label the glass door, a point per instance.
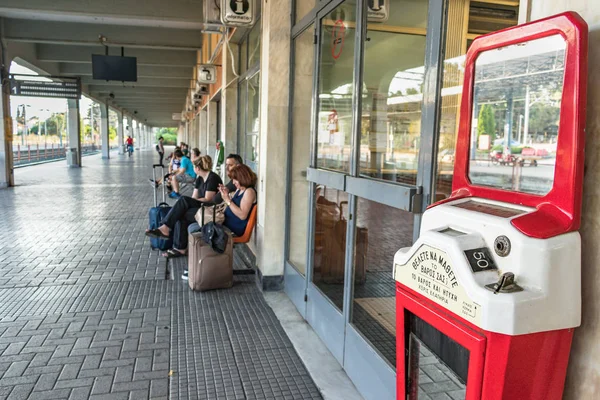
(332, 156)
(303, 49)
(384, 101)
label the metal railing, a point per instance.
(33, 154)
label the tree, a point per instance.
(486, 122)
(169, 135)
(541, 116)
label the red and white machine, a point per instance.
(492, 286)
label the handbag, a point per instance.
(217, 216)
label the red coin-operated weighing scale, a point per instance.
(489, 295)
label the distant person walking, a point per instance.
(161, 150)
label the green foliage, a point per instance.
(541, 116)
(169, 135)
(513, 149)
(486, 122)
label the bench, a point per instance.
(245, 238)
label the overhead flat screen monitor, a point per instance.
(114, 68)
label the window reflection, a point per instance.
(516, 111)
(380, 231)
(331, 221)
(300, 155)
(392, 93)
(336, 67)
(466, 21)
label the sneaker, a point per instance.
(185, 275)
(174, 195)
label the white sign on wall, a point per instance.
(238, 12)
(207, 74)
(378, 10)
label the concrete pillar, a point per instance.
(120, 131)
(73, 133)
(187, 132)
(104, 138)
(274, 97)
(212, 129)
(202, 123)
(6, 125)
(129, 126)
(229, 106)
(136, 142)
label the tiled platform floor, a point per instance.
(86, 312)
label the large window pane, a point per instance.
(252, 123)
(331, 220)
(244, 56)
(392, 92)
(466, 20)
(336, 69)
(254, 45)
(518, 89)
(301, 111)
(242, 104)
(380, 231)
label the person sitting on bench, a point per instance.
(185, 174)
(240, 202)
(231, 161)
(183, 212)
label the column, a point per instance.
(137, 134)
(229, 106)
(120, 131)
(274, 97)
(73, 129)
(6, 150)
(104, 138)
(129, 126)
(203, 119)
(212, 130)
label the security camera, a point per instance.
(111, 95)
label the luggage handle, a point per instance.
(214, 206)
(164, 200)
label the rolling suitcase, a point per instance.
(208, 269)
(157, 213)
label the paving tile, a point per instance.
(86, 311)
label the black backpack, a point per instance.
(215, 235)
(157, 148)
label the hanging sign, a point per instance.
(430, 272)
(337, 39)
(238, 12)
(207, 74)
(46, 86)
(378, 10)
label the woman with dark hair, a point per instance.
(241, 202)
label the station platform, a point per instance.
(89, 311)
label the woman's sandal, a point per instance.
(156, 234)
(172, 253)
